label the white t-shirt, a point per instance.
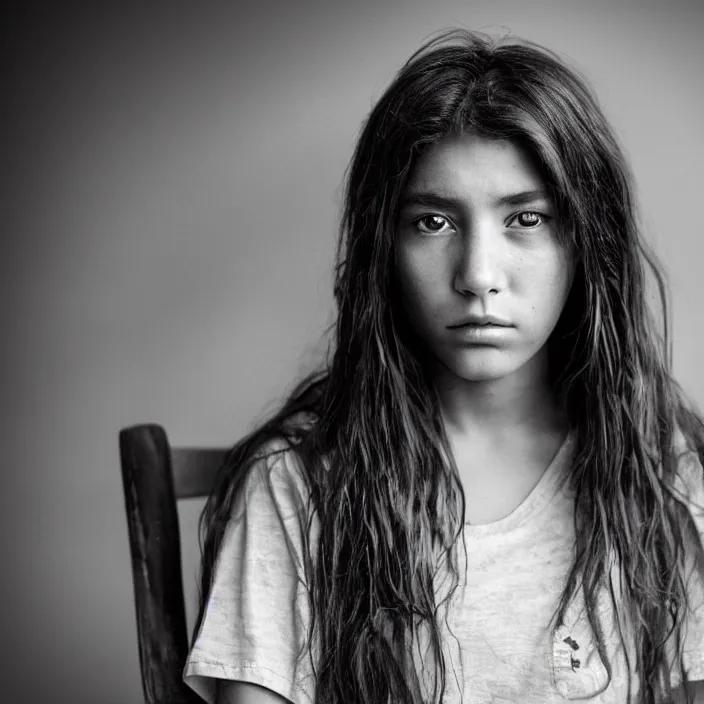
(257, 614)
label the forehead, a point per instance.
(470, 163)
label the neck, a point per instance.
(522, 401)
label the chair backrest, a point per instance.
(154, 477)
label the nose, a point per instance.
(479, 270)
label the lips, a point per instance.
(489, 334)
(483, 321)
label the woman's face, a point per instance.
(477, 236)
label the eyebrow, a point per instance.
(429, 198)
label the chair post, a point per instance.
(152, 521)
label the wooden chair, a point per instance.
(154, 477)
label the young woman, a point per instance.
(493, 492)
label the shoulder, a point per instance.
(276, 476)
(688, 482)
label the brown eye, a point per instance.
(529, 218)
(431, 223)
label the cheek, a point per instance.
(550, 289)
(546, 278)
(564, 278)
(417, 278)
(412, 297)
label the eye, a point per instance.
(433, 224)
(529, 219)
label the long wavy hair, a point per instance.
(383, 486)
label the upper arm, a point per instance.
(255, 622)
(230, 692)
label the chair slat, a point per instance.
(155, 550)
(194, 470)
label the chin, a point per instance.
(477, 369)
(482, 375)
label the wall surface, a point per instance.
(169, 215)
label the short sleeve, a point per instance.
(690, 486)
(256, 617)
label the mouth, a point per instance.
(481, 333)
(479, 325)
(474, 324)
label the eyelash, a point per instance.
(543, 219)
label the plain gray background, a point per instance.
(170, 206)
